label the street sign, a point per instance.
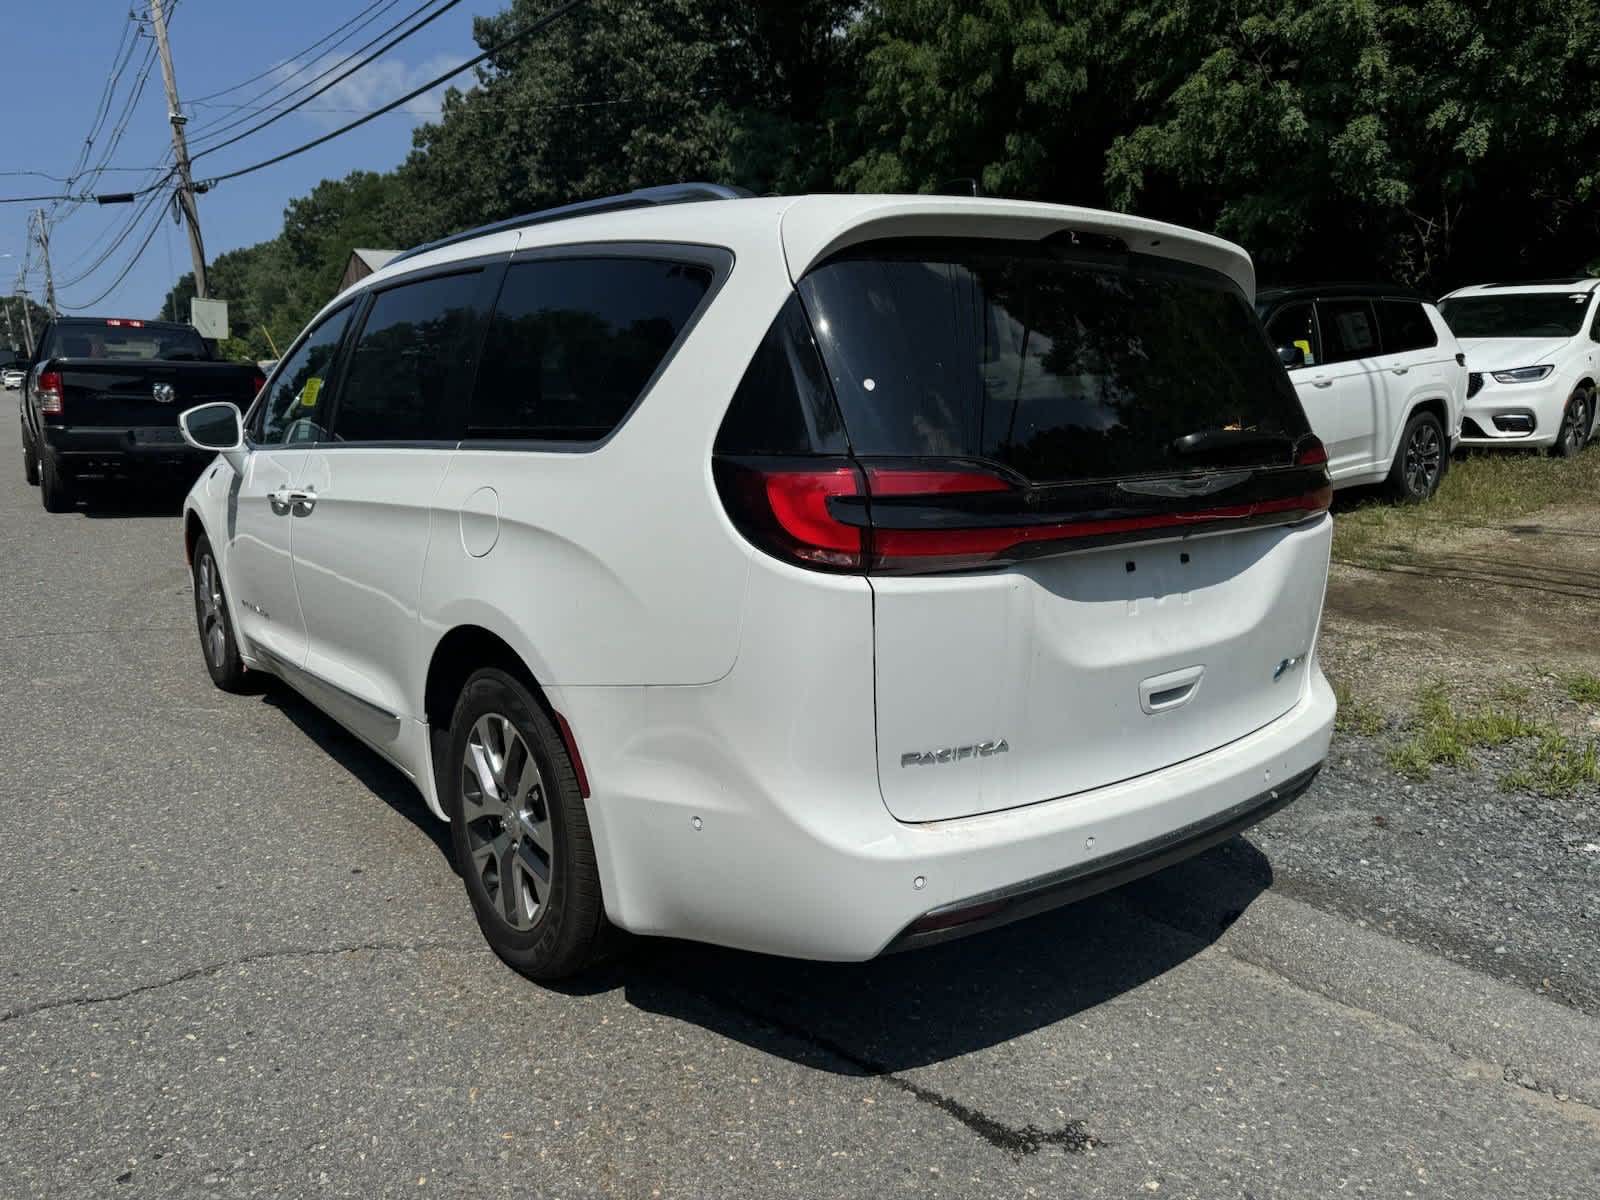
(210, 318)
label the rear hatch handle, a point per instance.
(1163, 693)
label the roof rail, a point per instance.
(670, 193)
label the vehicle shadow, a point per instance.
(370, 770)
(904, 1010)
(928, 1006)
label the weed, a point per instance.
(1356, 716)
(1583, 687)
(1559, 767)
(1440, 735)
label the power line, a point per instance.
(378, 53)
(538, 25)
(154, 198)
(131, 263)
(378, 4)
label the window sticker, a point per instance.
(309, 393)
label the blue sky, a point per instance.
(61, 53)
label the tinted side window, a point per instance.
(1296, 325)
(297, 400)
(1405, 326)
(1348, 330)
(1594, 326)
(783, 404)
(409, 368)
(574, 341)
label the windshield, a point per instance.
(1516, 314)
(126, 342)
(1063, 364)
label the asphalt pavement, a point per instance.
(235, 961)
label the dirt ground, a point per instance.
(1482, 606)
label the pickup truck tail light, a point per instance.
(257, 382)
(48, 392)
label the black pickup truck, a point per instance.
(102, 398)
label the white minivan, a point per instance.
(1381, 378)
(820, 576)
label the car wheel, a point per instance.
(217, 644)
(30, 461)
(1574, 426)
(55, 490)
(1419, 464)
(520, 832)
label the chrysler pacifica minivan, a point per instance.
(823, 575)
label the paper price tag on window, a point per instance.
(1305, 349)
(309, 393)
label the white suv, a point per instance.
(816, 575)
(1534, 351)
(1381, 378)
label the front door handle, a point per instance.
(1399, 370)
(1322, 383)
(296, 501)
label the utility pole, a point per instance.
(43, 234)
(27, 317)
(180, 150)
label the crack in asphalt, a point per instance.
(28, 1010)
(1073, 1136)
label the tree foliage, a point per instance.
(1432, 141)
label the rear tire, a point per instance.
(30, 460)
(1420, 462)
(1575, 421)
(217, 644)
(520, 832)
(55, 490)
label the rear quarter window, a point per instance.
(1059, 363)
(1405, 326)
(574, 342)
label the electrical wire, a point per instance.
(217, 128)
(154, 199)
(541, 23)
(297, 56)
(123, 274)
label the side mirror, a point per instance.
(1291, 356)
(215, 427)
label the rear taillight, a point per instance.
(1310, 452)
(48, 391)
(916, 518)
(257, 382)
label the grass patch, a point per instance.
(1356, 716)
(1559, 767)
(1483, 489)
(1583, 687)
(1442, 736)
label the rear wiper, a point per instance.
(1230, 441)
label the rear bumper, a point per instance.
(811, 873)
(89, 450)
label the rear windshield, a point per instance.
(1516, 314)
(125, 342)
(1062, 364)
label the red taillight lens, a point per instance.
(784, 507)
(913, 518)
(257, 382)
(48, 391)
(1310, 452)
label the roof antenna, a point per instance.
(965, 185)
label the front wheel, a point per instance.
(520, 833)
(1574, 426)
(1419, 465)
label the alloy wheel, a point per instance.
(1424, 453)
(511, 847)
(1574, 427)
(213, 614)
